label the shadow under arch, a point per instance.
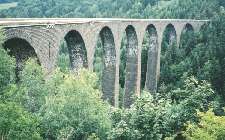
(168, 55)
(188, 26)
(105, 63)
(21, 50)
(169, 36)
(187, 40)
(149, 58)
(73, 46)
(129, 62)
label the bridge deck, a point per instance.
(38, 21)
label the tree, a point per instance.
(16, 123)
(31, 87)
(7, 68)
(210, 127)
(159, 117)
(74, 108)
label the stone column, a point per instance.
(118, 38)
(117, 75)
(131, 66)
(109, 70)
(151, 75)
(160, 37)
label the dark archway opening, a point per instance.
(187, 40)
(72, 53)
(21, 50)
(169, 58)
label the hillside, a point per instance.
(202, 9)
(65, 104)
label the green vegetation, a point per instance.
(17, 123)
(161, 116)
(210, 127)
(74, 108)
(67, 106)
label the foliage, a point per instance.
(7, 68)
(98, 61)
(73, 108)
(204, 64)
(210, 127)
(16, 123)
(80, 8)
(63, 59)
(188, 9)
(32, 97)
(69, 106)
(159, 117)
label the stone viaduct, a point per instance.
(45, 35)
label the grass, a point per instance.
(4, 6)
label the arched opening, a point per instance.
(149, 60)
(128, 65)
(72, 53)
(105, 64)
(168, 58)
(169, 38)
(21, 50)
(187, 40)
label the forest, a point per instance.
(190, 99)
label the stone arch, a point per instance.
(188, 26)
(187, 39)
(170, 34)
(17, 33)
(76, 49)
(150, 53)
(108, 60)
(21, 50)
(198, 26)
(168, 54)
(131, 70)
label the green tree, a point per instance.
(31, 87)
(16, 123)
(210, 127)
(7, 68)
(74, 108)
(161, 116)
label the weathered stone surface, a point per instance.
(151, 78)
(45, 35)
(77, 50)
(109, 70)
(131, 65)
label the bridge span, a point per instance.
(44, 36)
